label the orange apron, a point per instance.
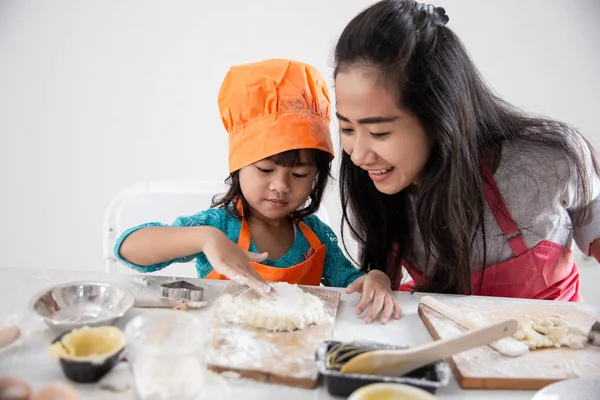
(544, 272)
(308, 272)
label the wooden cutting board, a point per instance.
(485, 368)
(286, 358)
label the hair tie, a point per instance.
(438, 12)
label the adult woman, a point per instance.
(441, 176)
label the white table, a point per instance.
(30, 361)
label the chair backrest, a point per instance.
(161, 201)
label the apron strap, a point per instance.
(244, 239)
(311, 237)
(513, 235)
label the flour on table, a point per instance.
(292, 309)
(539, 333)
(143, 280)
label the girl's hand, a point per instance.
(228, 259)
(376, 291)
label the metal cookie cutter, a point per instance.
(182, 290)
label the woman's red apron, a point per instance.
(545, 272)
(308, 272)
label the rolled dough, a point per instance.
(539, 333)
(292, 309)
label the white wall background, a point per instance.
(95, 96)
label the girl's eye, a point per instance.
(346, 131)
(379, 135)
(300, 175)
(264, 171)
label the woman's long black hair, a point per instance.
(424, 64)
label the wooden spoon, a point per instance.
(401, 362)
(508, 346)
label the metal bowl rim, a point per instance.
(131, 300)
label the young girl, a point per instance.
(277, 113)
(466, 192)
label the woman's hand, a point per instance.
(228, 259)
(376, 291)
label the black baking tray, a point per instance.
(429, 378)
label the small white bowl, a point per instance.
(390, 391)
(571, 389)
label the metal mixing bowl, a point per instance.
(77, 304)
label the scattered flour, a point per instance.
(143, 280)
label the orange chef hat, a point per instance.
(273, 106)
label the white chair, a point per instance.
(159, 202)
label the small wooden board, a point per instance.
(485, 368)
(286, 358)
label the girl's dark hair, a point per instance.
(424, 64)
(291, 158)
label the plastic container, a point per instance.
(429, 378)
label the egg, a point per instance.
(8, 335)
(14, 389)
(56, 391)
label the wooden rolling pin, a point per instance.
(508, 346)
